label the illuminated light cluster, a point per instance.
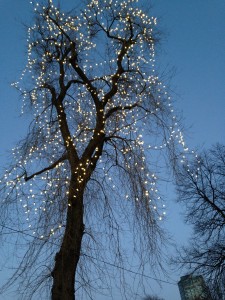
(142, 97)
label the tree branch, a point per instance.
(117, 108)
(52, 166)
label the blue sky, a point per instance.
(195, 47)
(192, 43)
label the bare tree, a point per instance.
(82, 176)
(201, 187)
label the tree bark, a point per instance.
(66, 260)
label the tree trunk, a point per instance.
(66, 260)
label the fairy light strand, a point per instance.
(139, 87)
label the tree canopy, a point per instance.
(86, 173)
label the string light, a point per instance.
(142, 101)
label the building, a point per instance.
(193, 288)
